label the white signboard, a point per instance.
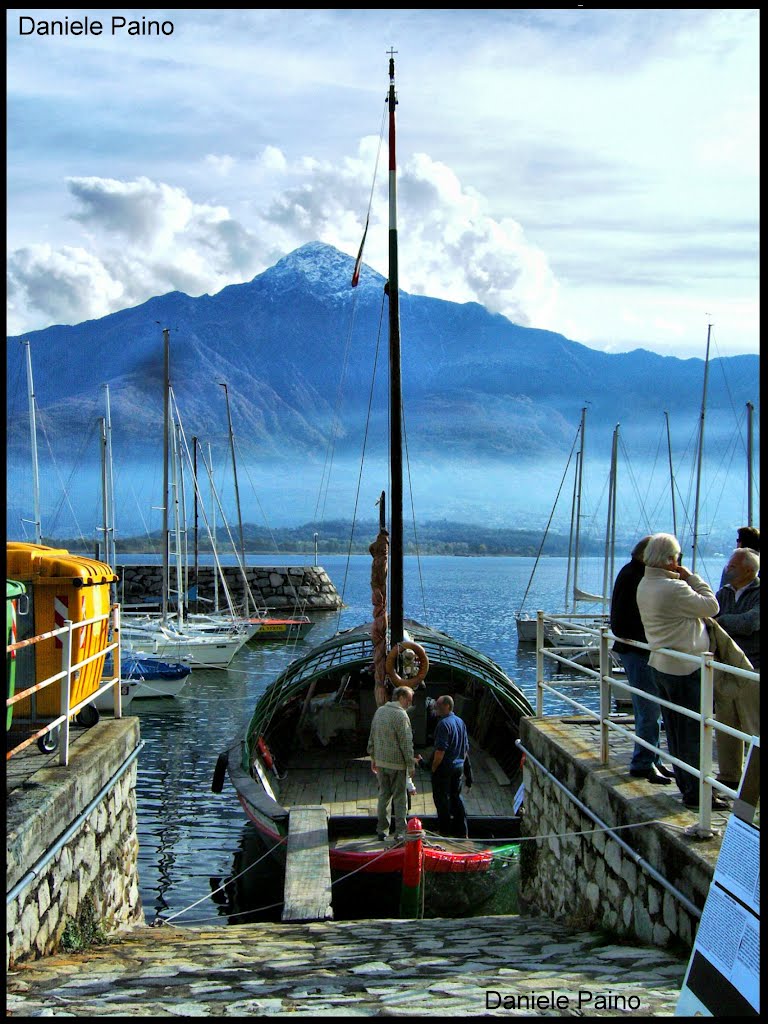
(723, 976)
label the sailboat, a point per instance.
(306, 741)
(258, 625)
(558, 633)
(161, 638)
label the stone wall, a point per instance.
(588, 881)
(90, 887)
(295, 588)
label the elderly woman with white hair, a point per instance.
(673, 603)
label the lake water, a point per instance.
(190, 839)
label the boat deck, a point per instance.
(346, 786)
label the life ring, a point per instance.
(392, 657)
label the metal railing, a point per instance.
(65, 676)
(602, 675)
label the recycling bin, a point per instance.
(13, 591)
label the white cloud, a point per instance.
(144, 238)
(602, 182)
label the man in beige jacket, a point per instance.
(390, 745)
(673, 603)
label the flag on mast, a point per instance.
(359, 260)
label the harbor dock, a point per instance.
(526, 964)
(485, 966)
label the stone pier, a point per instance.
(292, 588)
(77, 877)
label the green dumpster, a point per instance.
(13, 591)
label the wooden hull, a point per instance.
(306, 745)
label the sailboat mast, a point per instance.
(700, 455)
(671, 476)
(196, 549)
(33, 443)
(110, 533)
(750, 411)
(166, 397)
(610, 524)
(395, 389)
(104, 487)
(237, 500)
(580, 475)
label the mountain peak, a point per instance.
(324, 266)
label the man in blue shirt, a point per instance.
(451, 747)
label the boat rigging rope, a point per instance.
(362, 458)
(325, 479)
(413, 515)
(430, 840)
(159, 919)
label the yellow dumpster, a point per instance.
(63, 586)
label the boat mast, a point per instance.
(571, 532)
(576, 544)
(610, 525)
(196, 549)
(671, 476)
(750, 411)
(395, 388)
(213, 528)
(237, 501)
(104, 488)
(166, 390)
(111, 534)
(33, 442)
(700, 454)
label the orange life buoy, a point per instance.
(421, 655)
(264, 751)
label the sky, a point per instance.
(591, 172)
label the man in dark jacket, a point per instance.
(451, 749)
(737, 701)
(626, 622)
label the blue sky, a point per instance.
(592, 172)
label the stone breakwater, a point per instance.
(485, 966)
(294, 588)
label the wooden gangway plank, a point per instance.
(307, 886)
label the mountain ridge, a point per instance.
(296, 345)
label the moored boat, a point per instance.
(271, 630)
(142, 679)
(307, 739)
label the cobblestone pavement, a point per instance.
(484, 966)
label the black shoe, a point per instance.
(652, 775)
(381, 836)
(666, 769)
(718, 804)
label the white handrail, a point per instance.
(66, 712)
(705, 715)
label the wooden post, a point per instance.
(413, 863)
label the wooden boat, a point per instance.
(306, 741)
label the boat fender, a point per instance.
(265, 754)
(219, 773)
(420, 655)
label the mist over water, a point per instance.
(494, 494)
